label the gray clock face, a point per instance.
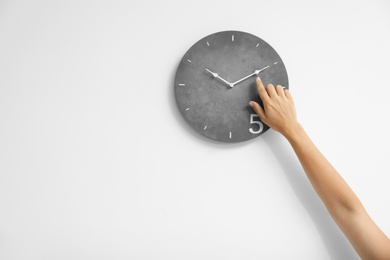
(216, 80)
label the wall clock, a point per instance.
(215, 81)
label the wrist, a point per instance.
(294, 132)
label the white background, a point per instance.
(96, 162)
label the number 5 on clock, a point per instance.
(252, 121)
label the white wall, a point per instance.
(96, 162)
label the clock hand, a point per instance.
(250, 75)
(216, 76)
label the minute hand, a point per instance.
(250, 75)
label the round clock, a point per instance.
(215, 81)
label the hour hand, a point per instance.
(216, 76)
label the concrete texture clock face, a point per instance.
(216, 80)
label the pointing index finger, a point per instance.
(260, 88)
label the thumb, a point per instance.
(258, 109)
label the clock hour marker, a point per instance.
(230, 135)
(275, 63)
(205, 127)
(189, 61)
(208, 44)
(257, 45)
(187, 108)
(232, 38)
(181, 84)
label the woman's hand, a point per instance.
(279, 109)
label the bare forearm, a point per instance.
(343, 205)
(329, 185)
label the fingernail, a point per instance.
(251, 103)
(257, 78)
